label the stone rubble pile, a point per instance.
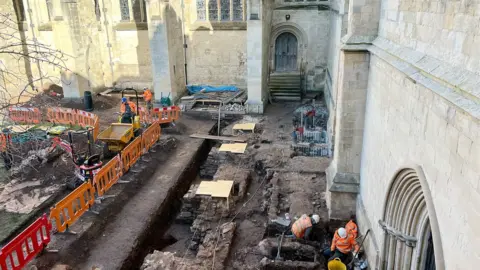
(210, 166)
(233, 107)
(190, 207)
(212, 253)
(240, 176)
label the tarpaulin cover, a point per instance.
(192, 89)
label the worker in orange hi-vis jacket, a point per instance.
(351, 227)
(342, 244)
(147, 96)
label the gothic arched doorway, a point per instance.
(409, 238)
(286, 48)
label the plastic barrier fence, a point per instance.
(85, 119)
(25, 115)
(23, 248)
(96, 128)
(145, 116)
(3, 142)
(167, 114)
(108, 175)
(150, 136)
(57, 115)
(131, 153)
(64, 116)
(68, 210)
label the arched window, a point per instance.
(408, 240)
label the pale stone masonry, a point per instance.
(399, 77)
(343, 174)
(421, 127)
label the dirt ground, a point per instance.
(270, 181)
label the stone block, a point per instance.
(451, 138)
(464, 146)
(342, 205)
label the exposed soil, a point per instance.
(39, 178)
(269, 182)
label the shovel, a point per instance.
(350, 265)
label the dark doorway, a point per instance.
(286, 53)
(430, 253)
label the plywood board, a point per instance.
(220, 188)
(238, 148)
(245, 126)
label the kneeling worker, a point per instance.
(342, 244)
(302, 228)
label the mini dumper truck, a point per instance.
(118, 135)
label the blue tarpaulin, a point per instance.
(192, 89)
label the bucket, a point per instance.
(336, 264)
(88, 101)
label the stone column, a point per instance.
(343, 175)
(363, 19)
(68, 27)
(255, 46)
(157, 33)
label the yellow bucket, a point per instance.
(336, 264)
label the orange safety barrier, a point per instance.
(96, 128)
(131, 153)
(85, 119)
(51, 112)
(108, 175)
(64, 116)
(3, 142)
(23, 248)
(145, 116)
(72, 207)
(150, 136)
(167, 114)
(25, 115)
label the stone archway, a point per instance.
(292, 33)
(412, 238)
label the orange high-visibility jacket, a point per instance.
(344, 245)
(299, 227)
(352, 228)
(132, 105)
(147, 95)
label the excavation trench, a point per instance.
(154, 237)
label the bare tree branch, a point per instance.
(25, 64)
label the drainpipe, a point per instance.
(109, 45)
(32, 26)
(184, 43)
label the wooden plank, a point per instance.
(245, 126)
(238, 148)
(220, 138)
(219, 189)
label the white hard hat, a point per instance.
(316, 218)
(144, 88)
(342, 232)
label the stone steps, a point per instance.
(285, 86)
